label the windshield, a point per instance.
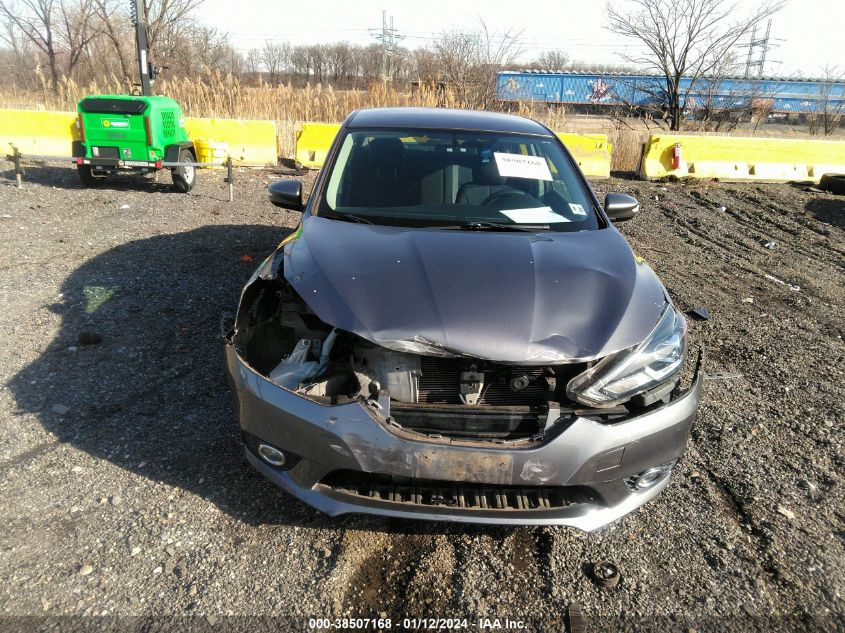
(436, 178)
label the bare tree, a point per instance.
(113, 24)
(721, 105)
(423, 64)
(830, 107)
(468, 63)
(18, 58)
(552, 60)
(683, 39)
(299, 62)
(35, 20)
(367, 62)
(76, 31)
(165, 18)
(316, 61)
(60, 30)
(274, 57)
(339, 63)
(252, 61)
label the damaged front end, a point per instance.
(413, 429)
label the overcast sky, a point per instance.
(808, 33)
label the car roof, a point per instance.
(444, 119)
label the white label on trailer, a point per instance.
(519, 166)
(143, 61)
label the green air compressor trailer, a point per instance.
(135, 133)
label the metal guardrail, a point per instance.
(16, 157)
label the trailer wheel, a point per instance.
(85, 175)
(184, 177)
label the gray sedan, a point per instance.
(457, 332)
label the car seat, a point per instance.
(485, 182)
(389, 184)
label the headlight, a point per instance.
(621, 376)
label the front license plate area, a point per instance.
(463, 466)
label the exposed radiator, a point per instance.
(441, 378)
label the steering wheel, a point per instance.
(500, 196)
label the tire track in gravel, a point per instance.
(725, 251)
(729, 254)
(720, 490)
(761, 222)
(530, 551)
(680, 223)
(770, 214)
(758, 224)
(733, 507)
(393, 573)
(461, 572)
(491, 565)
(753, 265)
(30, 454)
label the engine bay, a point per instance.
(279, 336)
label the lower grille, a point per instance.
(459, 495)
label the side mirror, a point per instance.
(619, 207)
(286, 194)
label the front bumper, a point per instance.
(580, 454)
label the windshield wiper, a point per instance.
(499, 226)
(347, 217)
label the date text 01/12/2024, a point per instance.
(416, 624)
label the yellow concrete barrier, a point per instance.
(51, 133)
(37, 132)
(733, 158)
(250, 142)
(591, 151)
(313, 142)
(210, 152)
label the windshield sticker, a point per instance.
(519, 166)
(577, 209)
(538, 215)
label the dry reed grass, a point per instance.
(224, 96)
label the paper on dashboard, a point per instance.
(536, 215)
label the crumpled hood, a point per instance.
(518, 298)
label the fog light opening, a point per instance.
(648, 478)
(271, 455)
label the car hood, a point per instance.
(518, 298)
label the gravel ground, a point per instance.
(123, 489)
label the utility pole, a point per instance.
(146, 70)
(763, 45)
(389, 37)
(764, 50)
(750, 51)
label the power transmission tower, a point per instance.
(763, 45)
(389, 38)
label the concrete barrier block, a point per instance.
(313, 142)
(249, 142)
(734, 158)
(38, 132)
